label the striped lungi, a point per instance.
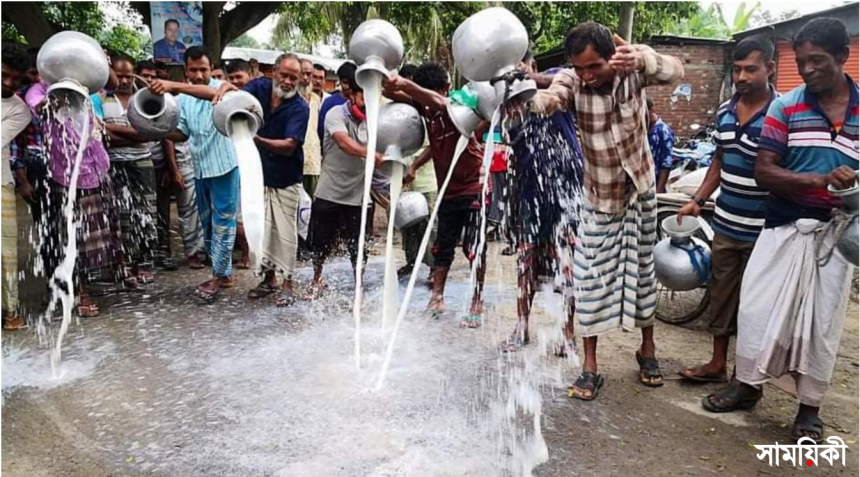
(281, 240)
(10, 249)
(134, 182)
(614, 267)
(98, 235)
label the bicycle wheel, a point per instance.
(680, 307)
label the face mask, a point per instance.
(357, 112)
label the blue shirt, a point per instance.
(288, 120)
(212, 153)
(163, 51)
(739, 213)
(799, 132)
(661, 138)
(337, 98)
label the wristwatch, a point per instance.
(699, 201)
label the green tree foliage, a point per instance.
(427, 27)
(710, 22)
(126, 40)
(245, 41)
(34, 22)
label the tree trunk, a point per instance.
(212, 30)
(30, 21)
(625, 20)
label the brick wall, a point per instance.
(705, 68)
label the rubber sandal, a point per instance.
(471, 321)
(649, 368)
(286, 298)
(514, 343)
(809, 424)
(230, 283)
(145, 277)
(738, 398)
(87, 310)
(243, 263)
(262, 290)
(713, 378)
(206, 297)
(586, 381)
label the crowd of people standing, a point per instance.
(581, 194)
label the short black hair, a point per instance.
(589, 33)
(754, 43)
(347, 72)
(160, 65)
(171, 20)
(320, 67)
(197, 52)
(827, 33)
(650, 103)
(119, 56)
(237, 65)
(408, 70)
(15, 57)
(145, 65)
(431, 75)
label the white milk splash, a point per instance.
(372, 92)
(252, 190)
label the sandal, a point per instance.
(229, 283)
(516, 342)
(286, 298)
(14, 323)
(206, 297)
(87, 309)
(471, 321)
(145, 277)
(587, 382)
(262, 290)
(196, 264)
(649, 371)
(809, 427)
(735, 398)
(692, 374)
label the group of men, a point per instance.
(585, 195)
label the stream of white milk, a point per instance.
(252, 190)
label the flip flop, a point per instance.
(243, 263)
(736, 397)
(808, 424)
(649, 369)
(586, 381)
(708, 378)
(261, 290)
(14, 323)
(286, 298)
(471, 321)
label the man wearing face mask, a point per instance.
(132, 173)
(337, 207)
(280, 143)
(215, 167)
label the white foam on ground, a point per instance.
(32, 367)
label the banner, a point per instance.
(175, 27)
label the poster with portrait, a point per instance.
(175, 27)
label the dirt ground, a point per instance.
(111, 411)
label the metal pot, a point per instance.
(237, 104)
(400, 132)
(850, 197)
(489, 44)
(377, 47)
(151, 115)
(681, 261)
(848, 242)
(465, 119)
(73, 56)
(411, 209)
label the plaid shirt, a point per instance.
(613, 127)
(28, 146)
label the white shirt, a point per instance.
(16, 117)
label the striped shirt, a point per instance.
(113, 112)
(613, 127)
(213, 154)
(740, 206)
(797, 130)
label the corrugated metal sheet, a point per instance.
(787, 77)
